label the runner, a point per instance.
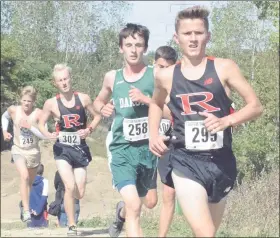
(132, 165)
(203, 164)
(71, 152)
(25, 150)
(165, 56)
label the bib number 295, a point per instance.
(201, 135)
(198, 138)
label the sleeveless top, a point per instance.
(187, 98)
(71, 120)
(23, 138)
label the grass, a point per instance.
(252, 210)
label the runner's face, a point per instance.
(63, 81)
(27, 103)
(162, 63)
(133, 49)
(192, 37)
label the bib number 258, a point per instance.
(137, 129)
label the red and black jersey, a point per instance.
(188, 97)
(71, 119)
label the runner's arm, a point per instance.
(157, 105)
(5, 120)
(166, 112)
(44, 116)
(105, 93)
(96, 116)
(37, 132)
(236, 80)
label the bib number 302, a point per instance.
(69, 138)
(198, 138)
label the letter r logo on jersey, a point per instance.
(186, 104)
(71, 120)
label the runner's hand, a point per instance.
(136, 95)
(52, 136)
(157, 145)
(83, 133)
(7, 136)
(108, 109)
(214, 124)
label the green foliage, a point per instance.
(255, 143)
(36, 36)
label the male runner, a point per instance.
(165, 56)
(25, 150)
(71, 152)
(132, 165)
(201, 157)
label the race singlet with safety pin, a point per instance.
(69, 138)
(137, 129)
(198, 138)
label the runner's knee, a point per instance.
(69, 188)
(133, 208)
(80, 192)
(205, 231)
(151, 203)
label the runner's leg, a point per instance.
(193, 200)
(167, 210)
(66, 173)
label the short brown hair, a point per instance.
(30, 91)
(131, 29)
(167, 53)
(196, 12)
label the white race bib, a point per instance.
(137, 129)
(164, 126)
(26, 141)
(198, 138)
(69, 138)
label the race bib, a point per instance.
(26, 141)
(137, 129)
(69, 138)
(198, 138)
(164, 126)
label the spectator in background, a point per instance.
(60, 190)
(38, 200)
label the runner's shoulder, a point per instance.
(165, 74)
(110, 75)
(224, 63)
(12, 109)
(84, 97)
(50, 102)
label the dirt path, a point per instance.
(100, 198)
(58, 232)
